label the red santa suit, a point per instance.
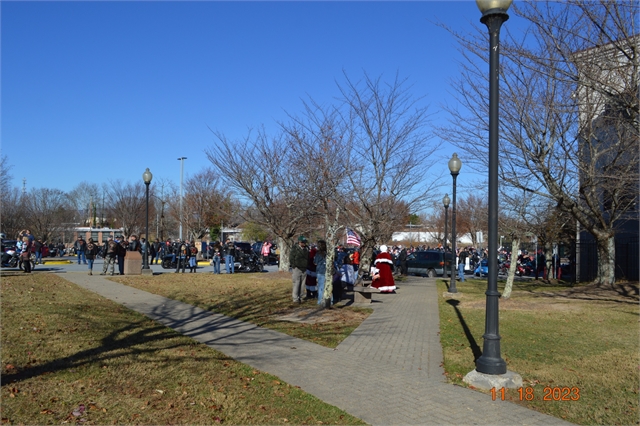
(385, 281)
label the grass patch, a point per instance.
(70, 356)
(554, 337)
(262, 299)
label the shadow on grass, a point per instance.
(477, 353)
(627, 293)
(119, 343)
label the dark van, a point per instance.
(430, 263)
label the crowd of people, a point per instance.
(309, 266)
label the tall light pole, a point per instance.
(181, 159)
(454, 167)
(494, 14)
(146, 177)
(445, 203)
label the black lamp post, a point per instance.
(454, 167)
(445, 203)
(494, 14)
(146, 177)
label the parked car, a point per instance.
(274, 257)
(430, 263)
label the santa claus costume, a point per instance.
(383, 280)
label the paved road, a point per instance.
(387, 372)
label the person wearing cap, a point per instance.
(383, 278)
(298, 259)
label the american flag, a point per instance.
(352, 237)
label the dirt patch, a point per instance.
(319, 315)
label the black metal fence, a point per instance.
(586, 254)
(627, 259)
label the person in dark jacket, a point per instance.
(229, 256)
(90, 253)
(121, 252)
(298, 260)
(110, 256)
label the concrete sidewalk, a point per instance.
(387, 372)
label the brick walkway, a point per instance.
(387, 372)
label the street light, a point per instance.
(445, 203)
(146, 177)
(454, 167)
(181, 159)
(494, 14)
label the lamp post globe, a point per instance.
(454, 167)
(445, 203)
(494, 14)
(146, 178)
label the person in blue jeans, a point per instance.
(229, 256)
(217, 255)
(81, 248)
(462, 260)
(320, 260)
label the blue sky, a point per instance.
(98, 91)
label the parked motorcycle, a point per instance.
(248, 262)
(11, 259)
(169, 261)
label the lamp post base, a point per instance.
(148, 271)
(508, 380)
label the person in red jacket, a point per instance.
(383, 278)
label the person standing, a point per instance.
(298, 259)
(121, 253)
(229, 256)
(81, 248)
(462, 261)
(356, 260)
(25, 254)
(320, 260)
(311, 281)
(182, 257)
(216, 257)
(90, 253)
(265, 251)
(402, 257)
(38, 244)
(157, 247)
(383, 277)
(541, 261)
(110, 256)
(134, 244)
(193, 261)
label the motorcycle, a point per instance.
(248, 262)
(11, 259)
(169, 261)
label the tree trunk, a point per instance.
(284, 254)
(515, 246)
(606, 259)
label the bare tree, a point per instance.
(320, 148)
(569, 112)
(390, 157)
(206, 204)
(472, 215)
(47, 213)
(127, 206)
(84, 198)
(258, 171)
